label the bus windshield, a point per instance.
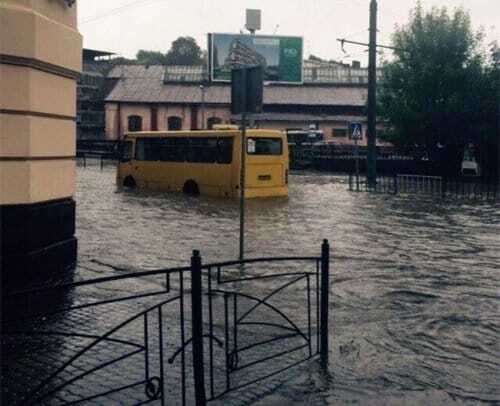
(264, 146)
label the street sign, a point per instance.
(246, 90)
(355, 131)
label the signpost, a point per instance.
(356, 134)
(246, 97)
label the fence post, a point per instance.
(444, 182)
(395, 183)
(325, 290)
(84, 161)
(197, 328)
(102, 163)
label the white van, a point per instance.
(469, 164)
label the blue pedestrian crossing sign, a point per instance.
(355, 131)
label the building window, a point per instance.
(134, 123)
(213, 121)
(174, 123)
(339, 132)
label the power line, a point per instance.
(345, 41)
(114, 11)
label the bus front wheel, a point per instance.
(129, 181)
(191, 188)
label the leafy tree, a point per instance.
(145, 57)
(437, 92)
(184, 51)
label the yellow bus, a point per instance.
(205, 162)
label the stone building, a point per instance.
(160, 97)
(40, 60)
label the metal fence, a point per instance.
(188, 335)
(439, 186)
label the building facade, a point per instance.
(91, 91)
(160, 97)
(40, 60)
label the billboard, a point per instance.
(280, 57)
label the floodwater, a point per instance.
(415, 282)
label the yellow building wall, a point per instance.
(40, 57)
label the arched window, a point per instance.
(134, 123)
(174, 123)
(212, 121)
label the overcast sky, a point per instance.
(125, 26)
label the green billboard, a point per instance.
(280, 57)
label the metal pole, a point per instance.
(325, 291)
(202, 87)
(242, 169)
(356, 158)
(242, 187)
(197, 325)
(372, 97)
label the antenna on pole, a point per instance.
(253, 20)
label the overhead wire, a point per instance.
(115, 11)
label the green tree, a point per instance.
(145, 57)
(433, 93)
(184, 51)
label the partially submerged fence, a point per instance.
(128, 339)
(102, 150)
(459, 188)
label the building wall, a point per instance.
(40, 59)
(186, 113)
(164, 112)
(224, 113)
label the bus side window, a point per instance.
(224, 150)
(148, 149)
(125, 151)
(173, 149)
(202, 149)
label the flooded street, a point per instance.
(415, 282)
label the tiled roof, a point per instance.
(137, 72)
(301, 117)
(155, 91)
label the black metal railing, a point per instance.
(129, 339)
(438, 186)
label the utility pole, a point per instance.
(372, 98)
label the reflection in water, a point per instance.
(414, 281)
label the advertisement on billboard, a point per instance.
(279, 56)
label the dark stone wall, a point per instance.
(37, 242)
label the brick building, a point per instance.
(160, 97)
